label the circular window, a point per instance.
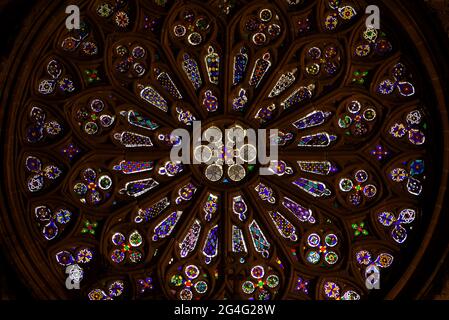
(97, 206)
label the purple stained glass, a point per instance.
(210, 249)
(303, 214)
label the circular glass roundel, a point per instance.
(94, 192)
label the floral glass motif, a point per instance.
(399, 75)
(239, 103)
(239, 207)
(81, 40)
(322, 249)
(358, 121)
(171, 169)
(412, 129)
(373, 42)
(280, 168)
(358, 188)
(93, 187)
(189, 282)
(41, 127)
(264, 27)
(115, 290)
(93, 119)
(210, 102)
(146, 284)
(340, 14)
(262, 284)
(82, 256)
(333, 291)
(127, 249)
(40, 175)
(186, 193)
(397, 223)
(265, 193)
(210, 207)
(366, 260)
(302, 285)
(70, 151)
(89, 227)
(116, 14)
(409, 177)
(55, 70)
(185, 116)
(322, 61)
(360, 229)
(192, 28)
(52, 223)
(130, 60)
(380, 152)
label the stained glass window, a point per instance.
(99, 201)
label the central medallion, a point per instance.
(227, 153)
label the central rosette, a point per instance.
(226, 154)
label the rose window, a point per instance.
(92, 116)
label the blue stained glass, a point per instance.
(238, 242)
(139, 187)
(302, 213)
(317, 140)
(285, 227)
(130, 167)
(240, 64)
(153, 211)
(299, 96)
(137, 120)
(314, 188)
(189, 243)
(165, 228)
(190, 67)
(260, 243)
(212, 61)
(150, 95)
(313, 119)
(210, 249)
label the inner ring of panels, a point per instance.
(104, 201)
